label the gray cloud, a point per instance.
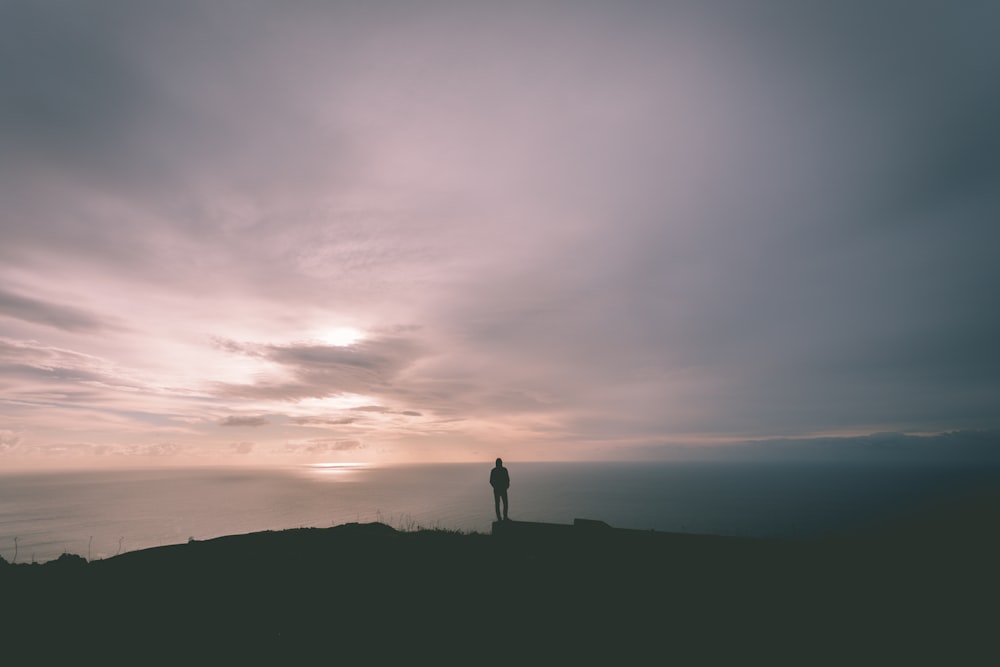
(824, 280)
(49, 314)
(30, 366)
(321, 445)
(85, 450)
(71, 87)
(369, 367)
(157, 449)
(324, 421)
(32, 357)
(248, 420)
(9, 439)
(242, 447)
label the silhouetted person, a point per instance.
(500, 481)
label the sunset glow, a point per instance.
(389, 232)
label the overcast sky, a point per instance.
(422, 231)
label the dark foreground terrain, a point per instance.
(919, 592)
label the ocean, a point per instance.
(98, 514)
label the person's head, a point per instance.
(499, 462)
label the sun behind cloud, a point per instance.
(340, 336)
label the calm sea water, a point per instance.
(100, 514)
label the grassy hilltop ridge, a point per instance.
(371, 594)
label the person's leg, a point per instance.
(503, 497)
(496, 503)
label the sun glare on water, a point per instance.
(340, 472)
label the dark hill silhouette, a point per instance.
(529, 593)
